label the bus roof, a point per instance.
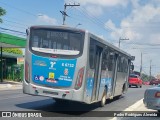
(82, 30)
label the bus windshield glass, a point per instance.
(59, 42)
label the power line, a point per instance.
(11, 25)
(18, 9)
(15, 22)
(12, 30)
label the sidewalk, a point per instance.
(10, 85)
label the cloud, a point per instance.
(44, 19)
(97, 7)
(94, 10)
(102, 2)
(140, 26)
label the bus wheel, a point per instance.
(103, 100)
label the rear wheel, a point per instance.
(103, 100)
(129, 86)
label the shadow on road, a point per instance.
(65, 109)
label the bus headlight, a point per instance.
(79, 78)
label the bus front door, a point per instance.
(97, 75)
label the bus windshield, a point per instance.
(60, 42)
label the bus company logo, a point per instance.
(40, 63)
(66, 71)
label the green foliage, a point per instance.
(2, 12)
(146, 77)
(13, 50)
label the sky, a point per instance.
(136, 20)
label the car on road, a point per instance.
(135, 80)
(154, 82)
(152, 98)
(146, 83)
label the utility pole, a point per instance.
(150, 69)
(120, 39)
(141, 66)
(64, 13)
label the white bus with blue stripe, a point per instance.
(72, 64)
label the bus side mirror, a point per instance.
(132, 67)
(27, 32)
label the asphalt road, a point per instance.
(15, 100)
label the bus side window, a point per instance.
(91, 54)
(104, 60)
(110, 61)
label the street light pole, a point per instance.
(141, 66)
(150, 69)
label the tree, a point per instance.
(2, 12)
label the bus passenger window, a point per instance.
(110, 61)
(92, 54)
(104, 61)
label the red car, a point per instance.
(135, 80)
(146, 83)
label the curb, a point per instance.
(9, 85)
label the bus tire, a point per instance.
(103, 100)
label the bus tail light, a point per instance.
(157, 95)
(79, 78)
(26, 72)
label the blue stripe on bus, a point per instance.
(53, 71)
(104, 81)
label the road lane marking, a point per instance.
(130, 108)
(138, 106)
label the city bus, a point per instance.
(70, 64)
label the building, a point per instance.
(11, 49)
